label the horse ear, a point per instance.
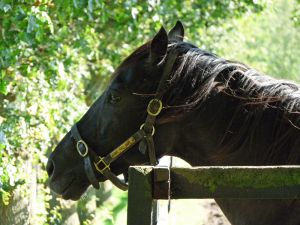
(159, 45)
(177, 32)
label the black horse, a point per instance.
(214, 112)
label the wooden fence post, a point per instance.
(140, 196)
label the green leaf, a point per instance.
(2, 146)
(31, 24)
(5, 196)
(5, 7)
(49, 21)
(3, 86)
(75, 3)
(3, 140)
(90, 6)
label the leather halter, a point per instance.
(144, 135)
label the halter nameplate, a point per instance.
(123, 147)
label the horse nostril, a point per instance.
(50, 167)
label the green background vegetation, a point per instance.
(56, 58)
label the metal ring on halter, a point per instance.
(151, 106)
(85, 146)
(153, 129)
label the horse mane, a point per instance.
(267, 109)
(264, 110)
(198, 72)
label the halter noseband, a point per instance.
(144, 135)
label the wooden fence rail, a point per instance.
(147, 184)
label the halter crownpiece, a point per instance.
(94, 163)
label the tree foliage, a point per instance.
(296, 14)
(268, 42)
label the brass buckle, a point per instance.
(85, 146)
(155, 104)
(105, 166)
(153, 129)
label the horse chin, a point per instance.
(73, 190)
(71, 196)
(72, 193)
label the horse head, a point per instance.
(119, 113)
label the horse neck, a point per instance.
(252, 139)
(201, 131)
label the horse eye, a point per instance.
(113, 99)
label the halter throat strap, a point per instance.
(94, 163)
(155, 107)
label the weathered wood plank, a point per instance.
(267, 182)
(264, 182)
(140, 196)
(161, 179)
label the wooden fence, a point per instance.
(147, 184)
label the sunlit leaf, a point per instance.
(49, 21)
(5, 196)
(3, 86)
(90, 5)
(5, 7)
(31, 24)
